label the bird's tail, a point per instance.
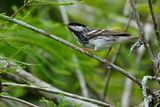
(128, 39)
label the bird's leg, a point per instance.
(108, 52)
(88, 50)
(107, 66)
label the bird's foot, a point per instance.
(86, 50)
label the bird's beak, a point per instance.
(69, 27)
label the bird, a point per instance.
(97, 39)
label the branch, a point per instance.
(122, 71)
(20, 73)
(144, 89)
(18, 100)
(57, 92)
(154, 21)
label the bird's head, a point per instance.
(80, 31)
(77, 27)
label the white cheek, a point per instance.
(77, 28)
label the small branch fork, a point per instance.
(115, 67)
(144, 89)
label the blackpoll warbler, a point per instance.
(96, 39)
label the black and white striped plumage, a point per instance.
(97, 38)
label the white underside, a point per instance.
(103, 42)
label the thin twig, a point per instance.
(58, 92)
(140, 26)
(14, 14)
(140, 51)
(141, 29)
(117, 68)
(26, 4)
(154, 21)
(18, 100)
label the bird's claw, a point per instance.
(87, 50)
(83, 50)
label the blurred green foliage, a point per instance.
(53, 62)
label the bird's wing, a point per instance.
(99, 32)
